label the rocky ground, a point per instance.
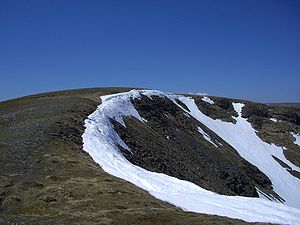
(170, 143)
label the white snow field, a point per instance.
(101, 142)
(242, 137)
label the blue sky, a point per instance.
(241, 49)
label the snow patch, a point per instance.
(219, 143)
(101, 141)
(166, 115)
(206, 136)
(297, 137)
(274, 120)
(208, 100)
(187, 115)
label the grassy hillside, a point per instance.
(46, 178)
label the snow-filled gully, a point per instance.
(101, 141)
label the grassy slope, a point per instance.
(46, 178)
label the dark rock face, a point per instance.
(169, 142)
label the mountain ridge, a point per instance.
(102, 142)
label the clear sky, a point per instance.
(242, 49)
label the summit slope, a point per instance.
(46, 178)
